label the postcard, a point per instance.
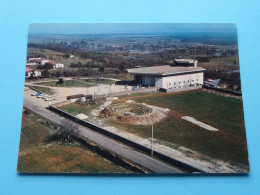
(137, 98)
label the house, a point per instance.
(32, 72)
(56, 65)
(169, 78)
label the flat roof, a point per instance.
(185, 60)
(164, 70)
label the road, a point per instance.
(118, 148)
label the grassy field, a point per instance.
(44, 90)
(223, 113)
(37, 156)
(99, 81)
(78, 108)
(67, 83)
(224, 63)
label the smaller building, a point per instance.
(186, 62)
(56, 65)
(32, 72)
(79, 98)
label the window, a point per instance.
(183, 81)
(174, 83)
(197, 79)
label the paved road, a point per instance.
(137, 157)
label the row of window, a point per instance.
(184, 82)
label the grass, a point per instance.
(44, 90)
(39, 157)
(67, 83)
(224, 113)
(78, 108)
(224, 63)
(99, 81)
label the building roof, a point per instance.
(164, 70)
(184, 60)
(78, 96)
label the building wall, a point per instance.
(182, 81)
(59, 66)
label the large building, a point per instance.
(169, 78)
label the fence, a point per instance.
(181, 165)
(223, 90)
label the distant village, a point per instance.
(33, 63)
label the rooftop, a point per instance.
(184, 60)
(164, 70)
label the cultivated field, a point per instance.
(36, 155)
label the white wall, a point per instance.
(59, 66)
(182, 80)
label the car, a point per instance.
(45, 96)
(49, 99)
(34, 94)
(40, 95)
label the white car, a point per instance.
(40, 95)
(45, 96)
(34, 94)
(49, 99)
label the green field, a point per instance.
(99, 81)
(223, 113)
(45, 90)
(37, 156)
(67, 83)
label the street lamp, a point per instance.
(152, 141)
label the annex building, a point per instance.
(169, 78)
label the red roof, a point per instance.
(75, 96)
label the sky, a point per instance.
(120, 28)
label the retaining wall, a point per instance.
(223, 90)
(181, 165)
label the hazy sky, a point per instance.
(117, 28)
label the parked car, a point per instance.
(40, 95)
(45, 96)
(49, 99)
(33, 93)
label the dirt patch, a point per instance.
(134, 113)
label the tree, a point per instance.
(66, 132)
(47, 66)
(45, 74)
(60, 82)
(122, 67)
(101, 69)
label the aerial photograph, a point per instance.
(132, 98)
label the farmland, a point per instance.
(38, 156)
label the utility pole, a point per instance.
(152, 141)
(48, 97)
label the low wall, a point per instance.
(223, 90)
(144, 149)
